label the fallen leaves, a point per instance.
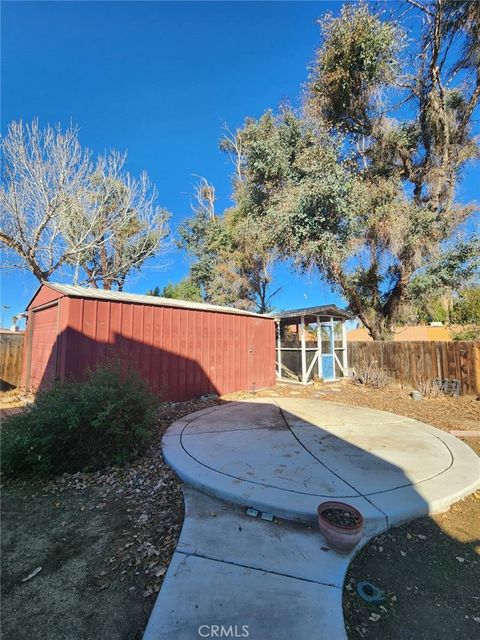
(148, 493)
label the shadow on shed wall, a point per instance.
(170, 375)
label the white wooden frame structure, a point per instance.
(328, 317)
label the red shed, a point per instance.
(182, 349)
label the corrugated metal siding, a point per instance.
(181, 353)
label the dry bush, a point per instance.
(428, 387)
(370, 375)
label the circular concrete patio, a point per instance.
(284, 456)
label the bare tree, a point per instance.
(60, 209)
(204, 194)
(43, 173)
(231, 144)
(128, 227)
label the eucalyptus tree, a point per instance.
(362, 184)
(229, 261)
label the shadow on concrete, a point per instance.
(252, 455)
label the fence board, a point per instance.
(410, 361)
(11, 358)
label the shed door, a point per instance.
(43, 347)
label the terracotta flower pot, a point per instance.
(341, 537)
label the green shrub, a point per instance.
(467, 333)
(76, 426)
(466, 310)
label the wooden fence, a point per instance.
(411, 361)
(11, 358)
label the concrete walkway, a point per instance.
(232, 570)
(283, 457)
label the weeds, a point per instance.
(370, 375)
(428, 388)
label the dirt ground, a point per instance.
(429, 571)
(14, 398)
(104, 542)
(446, 413)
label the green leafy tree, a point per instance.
(186, 289)
(230, 262)
(466, 309)
(359, 188)
(435, 309)
(467, 333)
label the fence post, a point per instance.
(476, 367)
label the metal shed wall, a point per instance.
(181, 353)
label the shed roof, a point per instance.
(328, 310)
(76, 291)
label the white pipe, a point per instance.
(332, 344)
(319, 348)
(344, 344)
(304, 353)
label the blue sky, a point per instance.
(159, 79)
